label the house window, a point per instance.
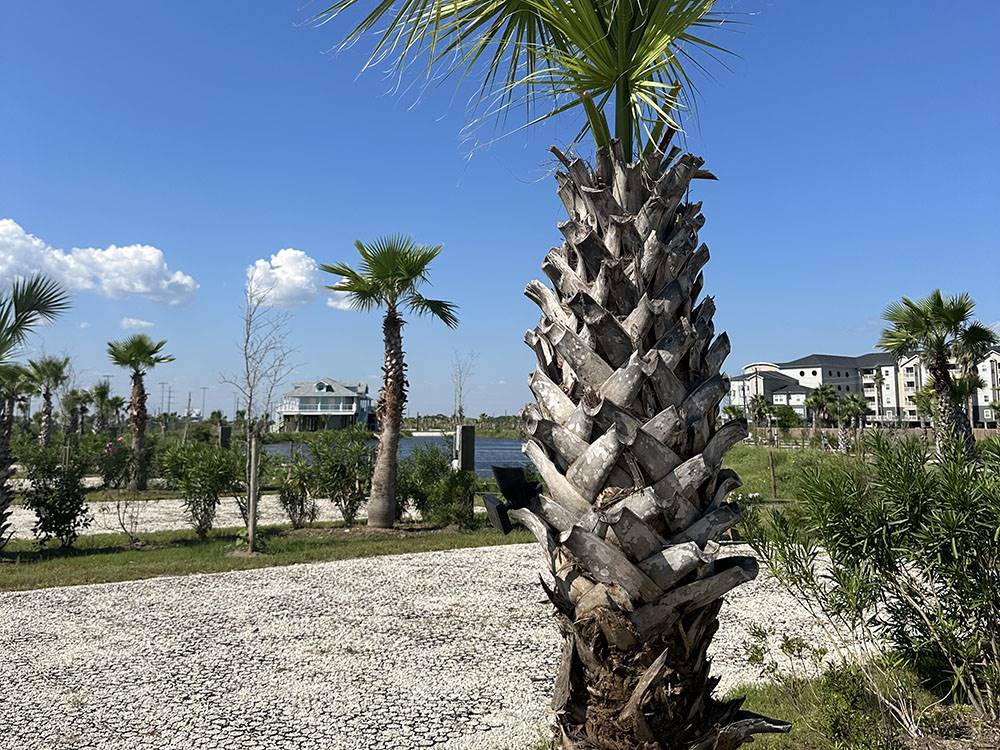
(814, 373)
(802, 373)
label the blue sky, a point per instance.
(856, 146)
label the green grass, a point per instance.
(751, 463)
(104, 558)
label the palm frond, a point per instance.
(443, 311)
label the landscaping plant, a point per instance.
(294, 496)
(450, 499)
(342, 469)
(628, 381)
(390, 275)
(203, 474)
(56, 494)
(903, 551)
(418, 473)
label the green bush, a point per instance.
(114, 463)
(904, 549)
(342, 463)
(56, 494)
(450, 500)
(294, 496)
(417, 474)
(202, 473)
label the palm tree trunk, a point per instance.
(45, 431)
(842, 438)
(137, 413)
(391, 402)
(624, 436)
(951, 419)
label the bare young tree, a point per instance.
(266, 364)
(462, 369)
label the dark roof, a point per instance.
(794, 389)
(329, 387)
(876, 359)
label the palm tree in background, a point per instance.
(389, 277)
(50, 374)
(74, 405)
(879, 381)
(101, 395)
(628, 383)
(995, 406)
(138, 354)
(941, 330)
(818, 402)
(28, 304)
(857, 408)
(115, 406)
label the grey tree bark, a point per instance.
(624, 434)
(391, 403)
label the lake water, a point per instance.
(489, 451)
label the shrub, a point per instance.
(417, 474)
(202, 473)
(293, 494)
(56, 494)
(450, 500)
(903, 549)
(342, 463)
(114, 463)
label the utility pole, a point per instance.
(163, 385)
(203, 389)
(187, 420)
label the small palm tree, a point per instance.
(50, 374)
(818, 402)
(879, 384)
(101, 395)
(857, 409)
(390, 275)
(941, 330)
(74, 405)
(138, 354)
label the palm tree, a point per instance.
(628, 382)
(101, 395)
(138, 354)
(857, 409)
(879, 384)
(941, 330)
(50, 374)
(74, 405)
(29, 303)
(115, 406)
(390, 275)
(818, 403)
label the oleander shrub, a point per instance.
(450, 499)
(417, 474)
(56, 494)
(203, 474)
(294, 496)
(342, 465)
(902, 549)
(114, 463)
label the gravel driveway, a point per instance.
(443, 649)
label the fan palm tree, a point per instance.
(941, 330)
(50, 374)
(857, 409)
(101, 395)
(115, 406)
(74, 405)
(628, 382)
(389, 277)
(29, 303)
(138, 354)
(818, 403)
(879, 381)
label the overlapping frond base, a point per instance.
(624, 434)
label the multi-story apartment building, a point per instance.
(888, 385)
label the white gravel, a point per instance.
(168, 514)
(449, 650)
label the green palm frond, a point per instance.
(391, 271)
(50, 373)
(138, 353)
(30, 302)
(550, 55)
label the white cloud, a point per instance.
(290, 278)
(338, 301)
(114, 271)
(84, 324)
(135, 324)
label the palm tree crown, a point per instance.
(29, 302)
(50, 373)
(138, 353)
(626, 55)
(391, 271)
(936, 326)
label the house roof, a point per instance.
(326, 387)
(794, 389)
(872, 359)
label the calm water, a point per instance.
(489, 451)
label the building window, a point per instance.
(802, 373)
(848, 387)
(814, 373)
(838, 388)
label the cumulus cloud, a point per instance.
(289, 279)
(136, 324)
(114, 271)
(84, 324)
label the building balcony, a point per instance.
(294, 411)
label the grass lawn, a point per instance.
(751, 463)
(104, 558)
